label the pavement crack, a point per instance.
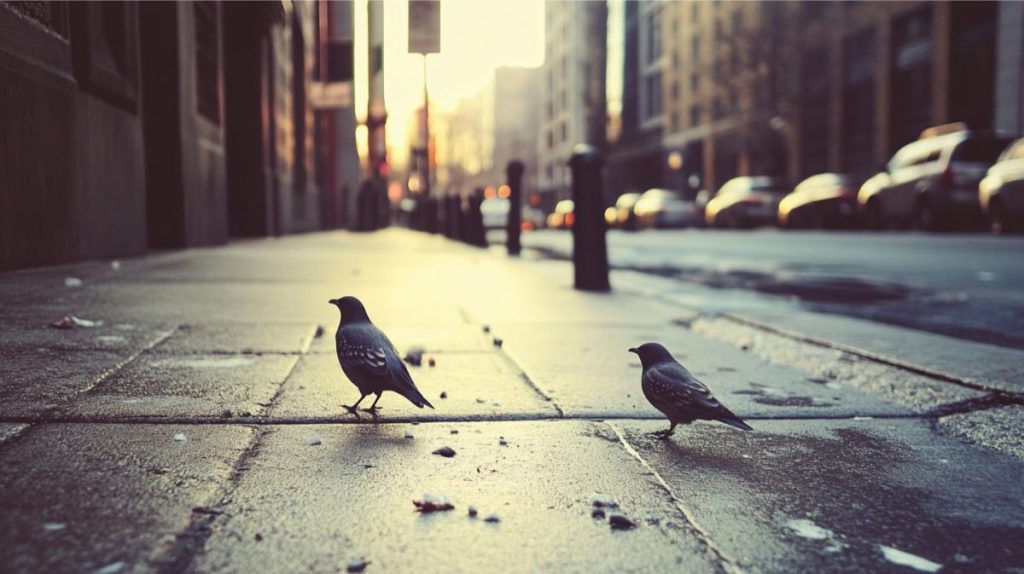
(992, 400)
(191, 541)
(727, 562)
(130, 359)
(307, 343)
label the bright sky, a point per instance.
(477, 36)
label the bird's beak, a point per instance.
(633, 350)
(333, 301)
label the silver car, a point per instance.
(661, 208)
(1001, 193)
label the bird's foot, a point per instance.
(352, 410)
(371, 410)
(663, 434)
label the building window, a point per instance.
(694, 82)
(694, 115)
(858, 103)
(565, 132)
(675, 91)
(654, 96)
(551, 139)
(695, 49)
(737, 21)
(675, 121)
(814, 112)
(207, 47)
(911, 97)
(653, 36)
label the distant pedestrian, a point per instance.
(369, 359)
(677, 393)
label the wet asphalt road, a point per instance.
(969, 286)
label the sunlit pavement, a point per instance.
(199, 427)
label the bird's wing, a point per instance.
(359, 349)
(675, 386)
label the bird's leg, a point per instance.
(352, 409)
(373, 407)
(664, 434)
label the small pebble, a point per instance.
(444, 395)
(498, 342)
(180, 437)
(492, 518)
(408, 435)
(472, 512)
(597, 513)
(258, 537)
(487, 328)
(72, 282)
(455, 431)
(319, 332)
(620, 522)
(53, 527)
(112, 568)
(431, 362)
(314, 441)
(445, 451)
(115, 265)
(502, 442)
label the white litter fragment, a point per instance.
(79, 322)
(112, 568)
(72, 282)
(180, 437)
(54, 526)
(111, 339)
(314, 441)
(863, 418)
(115, 265)
(986, 276)
(125, 327)
(902, 558)
(805, 528)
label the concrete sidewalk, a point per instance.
(199, 428)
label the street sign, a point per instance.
(326, 96)
(424, 26)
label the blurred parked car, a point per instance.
(1001, 192)
(820, 201)
(495, 215)
(562, 217)
(701, 203)
(746, 202)
(625, 217)
(933, 182)
(660, 208)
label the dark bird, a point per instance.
(677, 393)
(369, 359)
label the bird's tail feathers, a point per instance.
(736, 422)
(416, 397)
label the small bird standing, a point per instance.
(675, 392)
(369, 359)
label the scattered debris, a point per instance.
(907, 559)
(445, 451)
(597, 513)
(604, 501)
(70, 322)
(72, 282)
(472, 512)
(431, 503)
(496, 404)
(414, 356)
(314, 441)
(481, 401)
(431, 362)
(206, 510)
(620, 522)
(502, 442)
(454, 431)
(258, 537)
(408, 435)
(367, 466)
(444, 394)
(357, 565)
(112, 568)
(498, 342)
(863, 418)
(487, 328)
(226, 414)
(319, 332)
(115, 265)
(111, 339)
(805, 528)
(180, 437)
(492, 518)
(54, 526)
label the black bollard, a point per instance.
(514, 173)
(589, 252)
(477, 234)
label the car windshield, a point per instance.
(980, 150)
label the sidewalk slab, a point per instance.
(481, 385)
(239, 337)
(79, 497)
(208, 385)
(33, 381)
(318, 508)
(436, 338)
(592, 373)
(814, 496)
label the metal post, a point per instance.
(514, 174)
(589, 253)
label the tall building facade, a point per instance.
(796, 88)
(573, 99)
(130, 126)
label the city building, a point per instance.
(573, 99)
(795, 88)
(132, 126)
